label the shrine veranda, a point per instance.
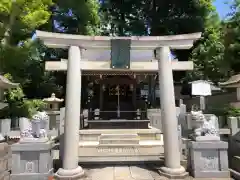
(108, 74)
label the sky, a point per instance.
(222, 7)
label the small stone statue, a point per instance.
(37, 128)
(204, 129)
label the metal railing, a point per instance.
(105, 115)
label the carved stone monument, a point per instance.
(204, 129)
(208, 157)
(31, 157)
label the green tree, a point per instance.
(208, 53)
(19, 55)
(155, 17)
(76, 17)
(71, 17)
(232, 38)
(19, 18)
(167, 17)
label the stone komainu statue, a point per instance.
(202, 126)
(38, 126)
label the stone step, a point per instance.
(119, 136)
(120, 153)
(119, 141)
(119, 159)
(234, 174)
(236, 163)
(144, 134)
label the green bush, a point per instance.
(225, 110)
(218, 111)
(234, 112)
(30, 107)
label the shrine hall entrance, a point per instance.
(118, 101)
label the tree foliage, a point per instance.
(232, 38)
(215, 55)
(78, 17)
(19, 55)
(208, 53)
(154, 17)
(19, 18)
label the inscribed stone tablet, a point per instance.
(209, 160)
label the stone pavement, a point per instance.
(122, 172)
(141, 172)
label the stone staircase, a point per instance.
(118, 139)
(235, 167)
(120, 145)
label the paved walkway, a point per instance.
(142, 172)
(122, 173)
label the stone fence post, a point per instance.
(5, 127)
(233, 125)
(61, 122)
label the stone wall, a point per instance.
(154, 115)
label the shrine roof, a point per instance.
(60, 40)
(6, 84)
(53, 99)
(232, 82)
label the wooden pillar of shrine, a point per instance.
(153, 91)
(101, 96)
(150, 89)
(134, 94)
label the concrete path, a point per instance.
(142, 172)
(124, 172)
(121, 173)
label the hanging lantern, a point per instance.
(131, 87)
(103, 87)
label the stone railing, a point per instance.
(154, 115)
(6, 130)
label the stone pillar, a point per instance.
(202, 103)
(70, 169)
(238, 94)
(172, 168)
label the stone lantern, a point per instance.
(53, 103)
(53, 111)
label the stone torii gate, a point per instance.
(76, 64)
